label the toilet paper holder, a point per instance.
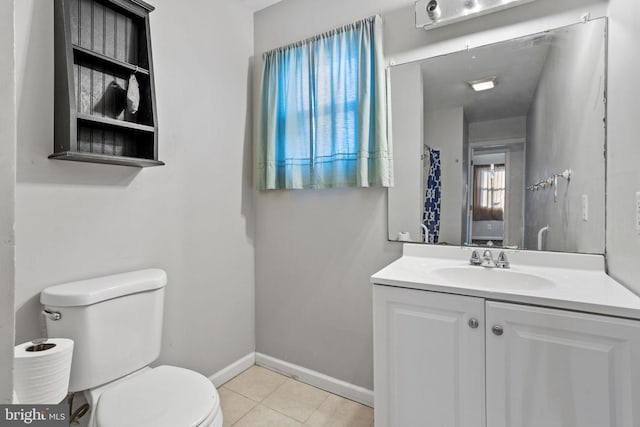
(52, 315)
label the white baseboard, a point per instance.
(316, 379)
(225, 374)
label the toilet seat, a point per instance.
(165, 396)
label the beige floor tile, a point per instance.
(261, 416)
(296, 399)
(234, 406)
(256, 383)
(339, 412)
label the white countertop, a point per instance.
(581, 282)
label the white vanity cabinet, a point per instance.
(558, 368)
(428, 359)
(544, 367)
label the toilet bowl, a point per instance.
(116, 324)
(165, 396)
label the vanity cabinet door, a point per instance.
(429, 359)
(555, 368)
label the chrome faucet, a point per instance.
(487, 259)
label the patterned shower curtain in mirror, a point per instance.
(431, 212)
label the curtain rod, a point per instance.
(324, 34)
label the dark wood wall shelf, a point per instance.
(99, 45)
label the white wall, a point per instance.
(192, 217)
(623, 150)
(500, 129)
(407, 195)
(444, 131)
(7, 198)
(565, 130)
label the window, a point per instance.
(489, 192)
(323, 119)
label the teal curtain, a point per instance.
(323, 112)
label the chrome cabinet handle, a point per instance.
(497, 330)
(473, 323)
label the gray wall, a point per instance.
(315, 250)
(444, 131)
(7, 198)
(192, 217)
(465, 179)
(515, 196)
(407, 130)
(565, 130)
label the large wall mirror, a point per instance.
(503, 145)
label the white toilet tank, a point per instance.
(115, 323)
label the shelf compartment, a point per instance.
(88, 56)
(105, 159)
(101, 138)
(103, 93)
(102, 27)
(106, 121)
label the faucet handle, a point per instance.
(475, 258)
(487, 259)
(503, 261)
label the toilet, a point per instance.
(116, 324)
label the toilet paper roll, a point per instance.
(41, 371)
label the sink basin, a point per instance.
(496, 278)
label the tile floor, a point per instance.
(259, 397)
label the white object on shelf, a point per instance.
(133, 95)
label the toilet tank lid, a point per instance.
(91, 291)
